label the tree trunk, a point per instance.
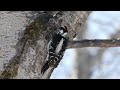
(30, 48)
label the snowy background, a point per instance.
(100, 25)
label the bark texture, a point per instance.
(31, 46)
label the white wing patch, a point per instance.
(49, 46)
(59, 47)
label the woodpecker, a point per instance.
(56, 48)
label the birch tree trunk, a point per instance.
(26, 48)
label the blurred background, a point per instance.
(83, 63)
(93, 63)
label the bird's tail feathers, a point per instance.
(45, 67)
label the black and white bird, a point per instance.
(56, 48)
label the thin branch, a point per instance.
(94, 43)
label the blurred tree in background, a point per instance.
(94, 62)
(82, 63)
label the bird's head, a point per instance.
(63, 31)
